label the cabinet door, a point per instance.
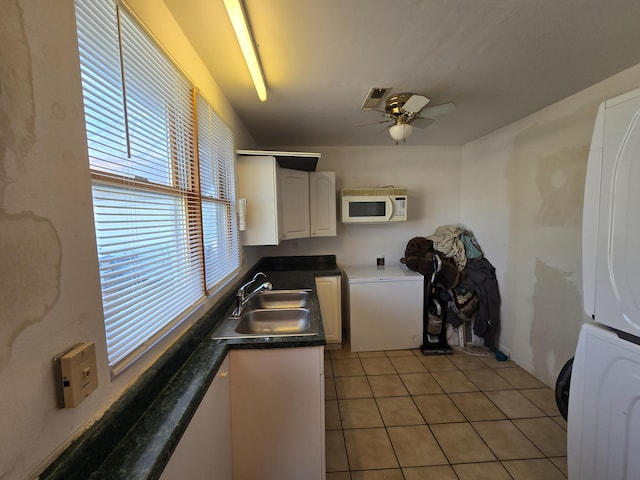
(277, 398)
(329, 294)
(204, 451)
(294, 206)
(322, 203)
(258, 183)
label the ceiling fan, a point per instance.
(407, 110)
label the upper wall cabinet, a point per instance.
(284, 203)
(294, 204)
(322, 197)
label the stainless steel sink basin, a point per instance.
(272, 313)
(279, 299)
(279, 321)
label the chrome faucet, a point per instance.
(242, 296)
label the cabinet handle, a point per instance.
(223, 374)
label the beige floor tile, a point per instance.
(454, 382)
(438, 472)
(543, 398)
(465, 361)
(538, 469)
(513, 404)
(328, 369)
(487, 379)
(373, 354)
(347, 367)
(329, 389)
(397, 411)
(560, 421)
(481, 471)
(387, 386)
(561, 463)
(461, 444)
(420, 383)
(377, 366)
(491, 362)
(546, 434)
(352, 387)
(332, 415)
(519, 378)
(400, 353)
(438, 409)
(343, 353)
(335, 451)
(437, 363)
(475, 406)
(408, 364)
(360, 413)
(369, 448)
(415, 446)
(506, 441)
(338, 476)
(387, 474)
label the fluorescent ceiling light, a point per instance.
(239, 22)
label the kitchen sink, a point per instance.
(271, 313)
(278, 299)
(278, 321)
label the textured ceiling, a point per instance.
(498, 60)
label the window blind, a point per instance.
(159, 237)
(217, 183)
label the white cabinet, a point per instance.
(258, 183)
(204, 451)
(277, 409)
(330, 296)
(294, 203)
(322, 204)
(283, 203)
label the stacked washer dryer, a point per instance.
(604, 399)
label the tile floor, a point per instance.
(400, 415)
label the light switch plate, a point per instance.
(78, 373)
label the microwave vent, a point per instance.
(372, 192)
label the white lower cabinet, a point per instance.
(330, 296)
(204, 452)
(277, 412)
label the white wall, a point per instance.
(49, 284)
(522, 192)
(518, 189)
(432, 175)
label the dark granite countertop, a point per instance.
(137, 435)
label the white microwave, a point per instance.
(374, 205)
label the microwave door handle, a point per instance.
(389, 209)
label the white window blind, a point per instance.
(216, 158)
(158, 237)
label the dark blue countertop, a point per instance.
(137, 435)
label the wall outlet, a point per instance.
(77, 374)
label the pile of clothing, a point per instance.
(460, 277)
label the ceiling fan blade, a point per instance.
(373, 123)
(415, 103)
(422, 122)
(439, 110)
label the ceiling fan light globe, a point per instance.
(400, 131)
